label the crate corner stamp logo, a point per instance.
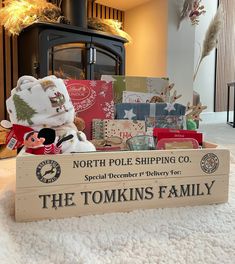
(48, 171)
(209, 163)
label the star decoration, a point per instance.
(169, 107)
(93, 83)
(129, 114)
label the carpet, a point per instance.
(200, 234)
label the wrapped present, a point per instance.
(161, 133)
(167, 121)
(116, 132)
(140, 111)
(91, 99)
(123, 83)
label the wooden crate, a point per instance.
(58, 186)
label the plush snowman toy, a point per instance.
(45, 103)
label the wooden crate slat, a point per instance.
(78, 200)
(176, 163)
(56, 186)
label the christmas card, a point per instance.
(91, 99)
(123, 83)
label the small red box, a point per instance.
(168, 133)
(170, 130)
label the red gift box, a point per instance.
(160, 133)
(91, 99)
(156, 131)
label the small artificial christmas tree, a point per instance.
(23, 110)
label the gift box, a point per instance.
(91, 99)
(167, 121)
(165, 133)
(137, 84)
(140, 111)
(116, 132)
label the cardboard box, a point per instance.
(79, 184)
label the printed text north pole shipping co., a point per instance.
(130, 161)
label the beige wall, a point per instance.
(148, 25)
(180, 53)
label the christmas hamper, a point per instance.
(64, 172)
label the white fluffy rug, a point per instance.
(202, 234)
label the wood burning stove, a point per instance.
(70, 51)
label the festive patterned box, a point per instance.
(133, 83)
(111, 130)
(91, 99)
(140, 111)
(167, 121)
